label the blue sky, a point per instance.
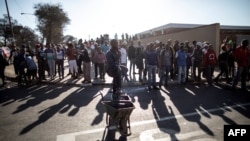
(91, 18)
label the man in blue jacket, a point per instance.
(152, 61)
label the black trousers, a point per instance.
(41, 69)
(116, 81)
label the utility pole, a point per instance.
(10, 20)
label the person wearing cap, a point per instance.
(241, 54)
(197, 62)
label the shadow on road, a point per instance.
(75, 99)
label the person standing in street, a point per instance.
(3, 64)
(42, 62)
(181, 60)
(71, 53)
(13, 58)
(151, 59)
(166, 61)
(50, 57)
(197, 62)
(139, 61)
(131, 57)
(86, 64)
(100, 59)
(210, 60)
(93, 58)
(60, 61)
(223, 64)
(105, 47)
(113, 57)
(241, 54)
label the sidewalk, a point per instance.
(134, 79)
(10, 76)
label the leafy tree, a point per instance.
(5, 30)
(22, 35)
(26, 36)
(69, 38)
(51, 21)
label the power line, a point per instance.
(20, 8)
(18, 5)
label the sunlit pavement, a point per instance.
(73, 112)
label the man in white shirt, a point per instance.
(123, 53)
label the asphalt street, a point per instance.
(66, 110)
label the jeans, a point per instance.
(52, 67)
(210, 71)
(60, 67)
(132, 65)
(182, 74)
(151, 75)
(240, 73)
(165, 74)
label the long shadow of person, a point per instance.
(161, 110)
(41, 94)
(187, 100)
(74, 99)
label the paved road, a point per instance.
(56, 112)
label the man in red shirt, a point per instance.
(241, 54)
(210, 61)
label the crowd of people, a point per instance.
(184, 61)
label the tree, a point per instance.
(26, 36)
(23, 35)
(69, 39)
(51, 21)
(5, 30)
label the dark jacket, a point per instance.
(113, 61)
(151, 57)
